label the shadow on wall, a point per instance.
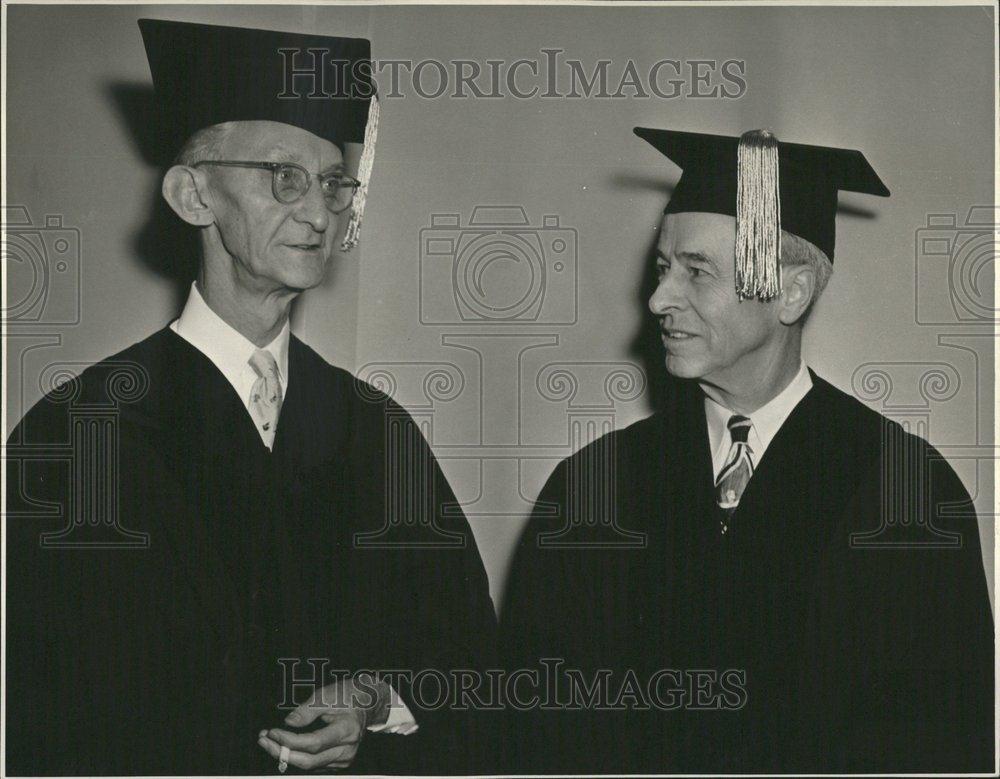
(164, 243)
(646, 348)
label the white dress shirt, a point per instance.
(228, 349)
(765, 421)
(230, 352)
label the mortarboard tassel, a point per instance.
(758, 217)
(353, 232)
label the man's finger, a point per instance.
(342, 730)
(335, 757)
(306, 712)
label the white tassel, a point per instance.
(758, 217)
(353, 232)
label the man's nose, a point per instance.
(312, 210)
(668, 295)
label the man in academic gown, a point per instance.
(241, 527)
(784, 579)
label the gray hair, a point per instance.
(797, 251)
(205, 144)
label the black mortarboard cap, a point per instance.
(768, 186)
(208, 74)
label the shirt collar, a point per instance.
(767, 420)
(227, 348)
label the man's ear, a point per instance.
(797, 285)
(182, 189)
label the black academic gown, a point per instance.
(851, 656)
(164, 650)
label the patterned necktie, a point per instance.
(734, 476)
(265, 397)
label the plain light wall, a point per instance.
(911, 87)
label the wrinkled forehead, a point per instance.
(278, 142)
(698, 232)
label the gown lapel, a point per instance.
(775, 505)
(216, 458)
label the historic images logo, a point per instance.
(550, 75)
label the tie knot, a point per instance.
(739, 428)
(264, 364)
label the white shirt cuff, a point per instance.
(400, 719)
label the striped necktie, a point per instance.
(734, 476)
(265, 397)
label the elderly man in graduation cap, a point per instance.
(296, 530)
(804, 589)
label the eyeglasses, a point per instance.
(291, 182)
